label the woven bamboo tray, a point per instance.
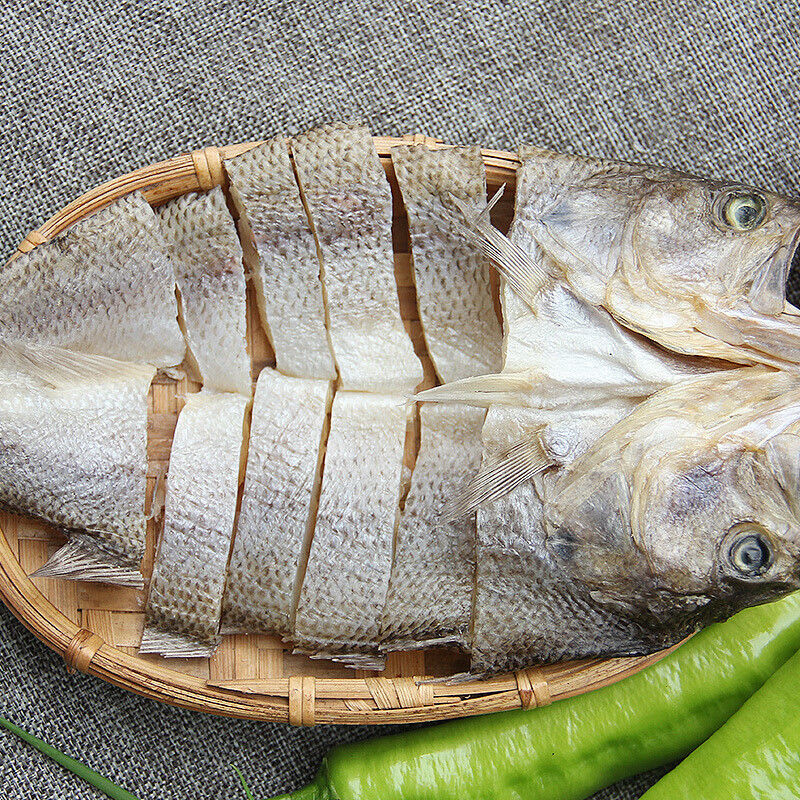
(96, 627)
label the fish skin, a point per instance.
(349, 564)
(281, 254)
(205, 252)
(182, 615)
(281, 488)
(430, 590)
(104, 286)
(644, 521)
(451, 275)
(349, 201)
(73, 452)
(650, 245)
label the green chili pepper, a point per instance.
(81, 770)
(754, 754)
(577, 746)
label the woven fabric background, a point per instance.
(91, 90)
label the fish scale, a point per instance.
(205, 251)
(104, 286)
(349, 564)
(282, 257)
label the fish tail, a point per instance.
(79, 561)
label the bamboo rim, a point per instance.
(299, 699)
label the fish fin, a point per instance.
(767, 295)
(482, 390)
(360, 661)
(524, 275)
(783, 453)
(58, 367)
(499, 474)
(78, 561)
(159, 496)
(174, 645)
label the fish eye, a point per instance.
(743, 212)
(750, 553)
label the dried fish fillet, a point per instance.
(104, 286)
(350, 204)
(73, 452)
(277, 516)
(183, 609)
(281, 255)
(349, 564)
(205, 252)
(450, 273)
(433, 573)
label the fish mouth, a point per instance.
(793, 273)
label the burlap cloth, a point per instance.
(93, 90)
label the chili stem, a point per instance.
(81, 770)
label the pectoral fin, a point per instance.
(58, 368)
(499, 474)
(525, 277)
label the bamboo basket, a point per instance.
(97, 627)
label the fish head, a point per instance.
(689, 510)
(706, 242)
(697, 265)
(718, 528)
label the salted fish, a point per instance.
(73, 452)
(347, 575)
(204, 249)
(451, 274)
(350, 205)
(684, 513)
(281, 255)
(183, 610)
(281, 489)
(433, 572)
(104, 286)
(697, 265)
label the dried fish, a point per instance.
(347, 575)
(73, 452)
(182, 616)
(281, 255)
(207, 257)
(451, 275)
(350, 203)
(104, 286)
(281, 490)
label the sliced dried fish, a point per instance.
(73, 452)
(182, 616)
(350, 204)
(349, 564)
(207, 257)
(451, 274)
(104, 286)
(279, 499)
(433, 572)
